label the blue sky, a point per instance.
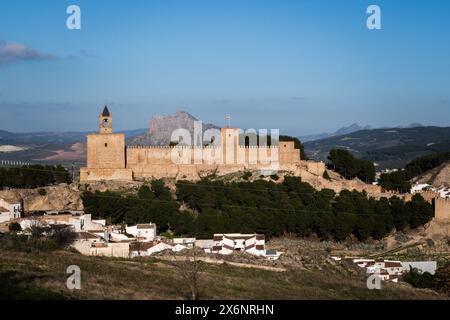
(304, 66)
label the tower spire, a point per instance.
(105, 121)
(106, 112)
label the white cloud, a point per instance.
(14, 52)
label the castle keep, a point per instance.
(108, 157)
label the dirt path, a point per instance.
(214, 261)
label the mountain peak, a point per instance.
(161, 128)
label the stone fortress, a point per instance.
(109, 158)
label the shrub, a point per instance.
(15, 227)
(42, 192)
(326, 175)
(246, 175)
(419, 280)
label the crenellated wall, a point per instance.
(189, 162)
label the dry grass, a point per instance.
(44, 276)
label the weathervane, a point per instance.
(228, 118)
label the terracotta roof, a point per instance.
(228, 247)
(238, 237)
(392, 264)
(141, 246)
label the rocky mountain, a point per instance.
(389, 148)
(344, 130)
(161, 128)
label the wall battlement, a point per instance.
(199, 147)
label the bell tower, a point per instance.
(106, 153)
(105, 121)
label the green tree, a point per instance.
(344, 163)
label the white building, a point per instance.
(79, 223)
(142, 232)
(187, 242)
(9, 211)
(205, 244)
(144, 249)
(385, 269)
(421, 266)
(229, 243)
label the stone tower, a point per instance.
(106, 153)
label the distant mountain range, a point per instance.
(57, 147)
(388, 147)
(7, 137)
(346, 130)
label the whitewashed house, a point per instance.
(9, 210)
(187, 242)
(79, 223)
(205, 244)
(385, 269)
(144, 249)
(229, 243)
(179, 247)
(142, 232)
(91, 244)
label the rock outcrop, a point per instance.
(53, 198)
(161, 128)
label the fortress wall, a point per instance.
(429, 196)
(96, 174)
(148, 155)
(314, 167)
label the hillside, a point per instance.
(43, 276)
(389, 148)
(436, 177)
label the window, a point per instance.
(106, 145)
